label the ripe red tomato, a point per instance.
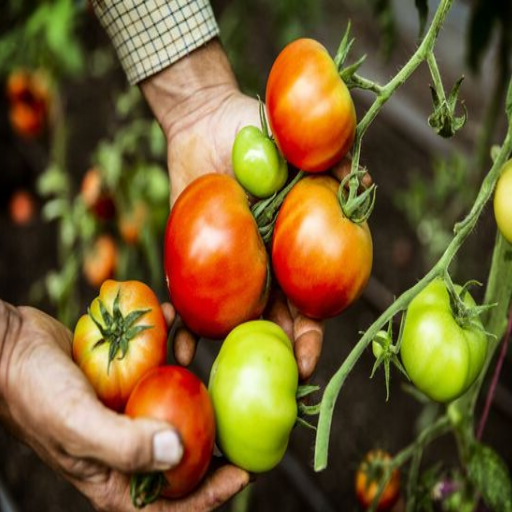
(100, 260)
(215, 259)
(368, 477)
(309, 107)
(175, 395)
(132, 340)
(321, 259)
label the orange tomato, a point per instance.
(100, 260)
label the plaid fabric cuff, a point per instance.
(150, 35)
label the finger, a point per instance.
(218, 488)
(308, 335)
(169, 313)
(117, 441)
(185, 344)
(277, 311)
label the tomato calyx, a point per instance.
(265, 211)
(356, 205)
(466, 315)
(116, 329)
(386, 354)
(145, 488)
(304, 391)
(347, 73)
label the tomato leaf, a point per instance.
(422, 7)
(489, 473)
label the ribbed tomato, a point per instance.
(309, 107)
(122, 336)
(321, 259)
(215, 259)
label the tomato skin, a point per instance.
(215, 260)
(253, 385)
(321, 259)
(148, 349)
(503, 202)
(309, 107)
(257, 164)
(176, 395)
(441, 358)
(367, 486)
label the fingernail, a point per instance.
(167, 449)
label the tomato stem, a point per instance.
(145, 488)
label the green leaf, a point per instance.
(489, 473)
(54, 209)
(53, 181)
(422, 7)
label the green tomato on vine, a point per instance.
(503, 202)
(257, 163)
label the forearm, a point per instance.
(191, 88)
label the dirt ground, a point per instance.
(362, 420)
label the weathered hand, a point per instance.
(47, 403)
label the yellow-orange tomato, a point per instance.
(122, 336)
(309, 107)
(100, 260)
(368, 476)
(132, 222)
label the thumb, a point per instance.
(129, 445)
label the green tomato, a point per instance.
(257, 163)
(253, 386)
(503, 202)
(442, 358)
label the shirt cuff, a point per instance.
(150, 35)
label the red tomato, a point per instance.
(100, 260)
(215, 260)
(29, 99)
(368, 477)
(321, 259)
(131, 341)
(94, 196)
(22, 207)
(309, 107)
(175, 395)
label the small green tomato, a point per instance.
(253, 386)
(257, 163)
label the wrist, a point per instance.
(190, 89)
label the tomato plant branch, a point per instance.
(461, 231)
(429, 434)
(386, 91)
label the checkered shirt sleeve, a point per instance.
(149, 35)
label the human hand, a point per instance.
(46, 401)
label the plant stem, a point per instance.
(388, 90)
(495, 378)
(433, 431)
(436, 76)
(462, 231)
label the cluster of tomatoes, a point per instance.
(29, 98)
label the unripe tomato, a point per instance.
(309, 107)
(257, 163)
(503, 202)
(253, 385)
(122, 336)
(176, 395)
(215, 259)
(441, 357)
(321, 259)
(100, 260)
(368, 476)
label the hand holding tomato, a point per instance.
(47, 402)
(200, 109)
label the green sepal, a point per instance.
(145, 488)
